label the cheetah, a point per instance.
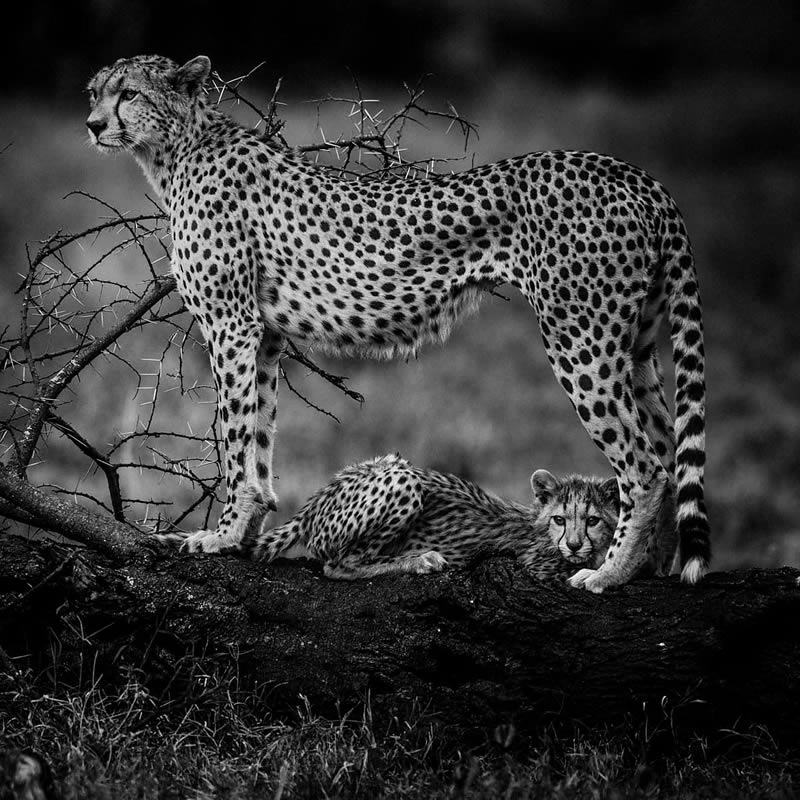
(387, 516)
(267, 246)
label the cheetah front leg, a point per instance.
(641, 503)
(604, 399)
(233, 348)
(267, 363)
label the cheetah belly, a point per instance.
(374, 318)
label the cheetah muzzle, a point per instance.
(267, 246)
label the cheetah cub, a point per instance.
(386, 515)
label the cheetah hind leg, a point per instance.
(656, 420)
(644, 487)
(353, 567)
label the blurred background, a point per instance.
(704, 95)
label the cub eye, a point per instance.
(92, 96)
(592, 521)
(558, 520)
(128, 94)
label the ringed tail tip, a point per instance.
(694, 569)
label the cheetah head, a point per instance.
(138, 103)
(579, 515)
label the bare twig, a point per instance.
(158, 290)
(109, 470)
(339, 381)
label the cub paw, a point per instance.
(432, 561)
(578, 580)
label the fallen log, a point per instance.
(479, 648)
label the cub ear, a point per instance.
(543, 484)
(190, 77)
(609, 491)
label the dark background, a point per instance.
(735, 63)
(704, 95)
(641, 46)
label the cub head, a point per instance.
(137, 103)
(578, 513)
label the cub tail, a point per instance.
(267, 544)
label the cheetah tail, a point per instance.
(686, 324)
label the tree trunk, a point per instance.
(479, 648)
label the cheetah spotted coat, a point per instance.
(267, 246)
(386, 516)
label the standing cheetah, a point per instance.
(267, 246)
(385, 515)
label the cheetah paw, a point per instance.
(593, 580)
(204, 541)
(432, 561)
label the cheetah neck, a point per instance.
(158, 159)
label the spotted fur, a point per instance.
(386, 515)
(268, 246)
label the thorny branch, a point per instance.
(110, 471)
(381, 140)
(81, 293)
(272, 124)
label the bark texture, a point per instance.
(479, 648)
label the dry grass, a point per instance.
(225, 746)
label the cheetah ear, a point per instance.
(190, 77)
(543, 484)
(609, 491)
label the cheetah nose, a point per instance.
(574, 546)
(96, 126)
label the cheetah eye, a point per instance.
(128, 94)
(592, 521)
(92, 96)
(558, 520)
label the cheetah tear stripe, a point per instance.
(268, 246)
